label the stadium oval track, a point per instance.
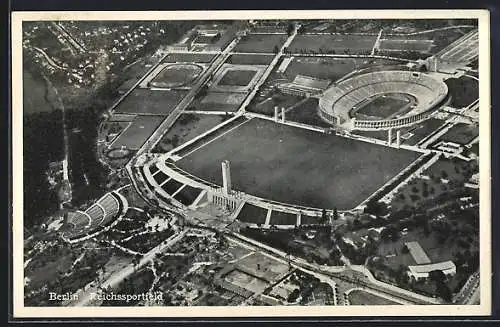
(338, 102)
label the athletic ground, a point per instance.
(298, 166)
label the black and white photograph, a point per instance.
(251, 164)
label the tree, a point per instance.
(276, 49)
(289, 29)
(335, 214)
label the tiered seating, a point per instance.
(97, 215)
(340, 99)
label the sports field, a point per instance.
(269, 160)
(144, 101)
(187, 127)
(461, 133)
(405, 45)
(189, 57)
(250, 59)
(382, 107)
(177, 75)
(218, 101)
(138, 132)
(259, 43)
(237, 77)
(359, 297)
(338, 43)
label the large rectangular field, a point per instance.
(406, 45)
(298, 166)
(250, 59)
(145, 101)
(327, 43)
(138, 132)
(260, 43)
(190, 57)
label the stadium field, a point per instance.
(382, 107)
(269, 160)
(359, 297)
(176, 75)
(145, 101)
(338, 43)
(138, 132)
(190, 57)
(461, 133)
(260, 43)
(237, 77)
(250, 59)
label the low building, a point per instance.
(422, 271)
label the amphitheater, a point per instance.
(98, 216)
(423, 92)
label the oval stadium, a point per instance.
(382, 100)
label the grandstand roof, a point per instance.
(311, 82)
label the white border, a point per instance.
(20, 311)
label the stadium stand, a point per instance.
(304, 86)
(98, 215)
(338, 101)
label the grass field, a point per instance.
(144, 101)
(138, 132)
(218, 101)
(283, 218)
(307, 113)
(325, 68)
(382, 107)
(420, 130)
(249, 59)
(237, 77)
(405, 45)
(266, 106)
(187, 127)
(338, 43)
(461, 133)
(269, 160)
(359, 297)
(190, 57)
(260, 43)
(463, 91)
(252, 214)
(176, 75)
